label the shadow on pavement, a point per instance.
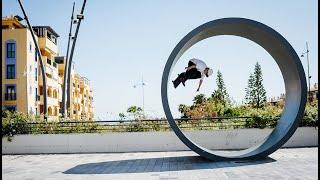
(158, 165)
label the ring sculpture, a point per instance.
(291, 69)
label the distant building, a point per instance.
(314, 92)
(276, 100)
(81, 97)
(22, 88)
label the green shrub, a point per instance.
(14, 123)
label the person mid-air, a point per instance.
(196, 69)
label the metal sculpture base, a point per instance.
(288, 62)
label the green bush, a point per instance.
(266, 117)
(14, 123)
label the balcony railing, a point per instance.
(10, 96)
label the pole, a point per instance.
(308, 68)
(143, 98)
(66, 68)
(71, 56)
(41, 63)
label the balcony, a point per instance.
(48, 45)
(10, 96)
(50, 81)
(50, 100)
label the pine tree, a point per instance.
(249, 90)
(220, 94)
(255, 92)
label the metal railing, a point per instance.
(10, 96)
(149, 125)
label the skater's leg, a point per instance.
(179, 79)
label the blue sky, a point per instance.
(121, 41)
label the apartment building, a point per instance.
(19, 68)
(47, 40)
(22, 85)
(81, 106)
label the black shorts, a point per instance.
(192, 73)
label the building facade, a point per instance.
(314, 94)
(81, 97)
(22, 88)
(19, 68)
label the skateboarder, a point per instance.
(196, 69)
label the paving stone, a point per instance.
(292, 163)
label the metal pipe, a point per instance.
(71, 56)
(143, 98)
(41, 63)
(308, 69)
(66, 68)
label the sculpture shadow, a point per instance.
(159, 165)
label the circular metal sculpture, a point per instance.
(290, 67)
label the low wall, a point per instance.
(148, 141)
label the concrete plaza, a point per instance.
(292, 163)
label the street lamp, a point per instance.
(64, 86)
(142, 84)
(309, 77)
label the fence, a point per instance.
(148, 125)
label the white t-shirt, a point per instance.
(200, 65)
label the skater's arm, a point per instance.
(191, 67)
(200, 82)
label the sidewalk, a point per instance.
(293, 163)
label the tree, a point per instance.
(198, 99)
(183, 110)
(255, 92)
(220, 94)
(122, 116)
(135, 111)
(249, 98)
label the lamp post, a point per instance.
(44, 80)
(309, 77)
(64, 87)
(68, 66)
(142, 84)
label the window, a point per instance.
(11, 50)
(10, 93)
(30, 47)
(35, 55)
(36, 74)
(36, 94)
(49, 61)
(11, 71)
(11, 108)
